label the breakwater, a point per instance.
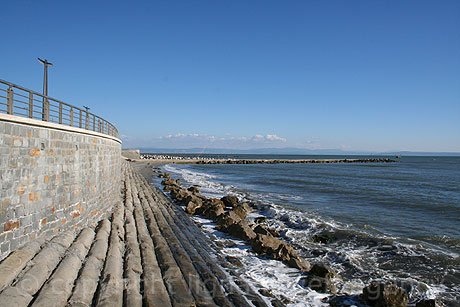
(162, 159)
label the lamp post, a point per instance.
(45, 115)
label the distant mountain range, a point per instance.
(290, 151)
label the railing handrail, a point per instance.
(106, 125)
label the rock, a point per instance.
(241, 230)
(169, 188)
(240, 212)
(265, 244)
(344, 300)
(170, 181)
(234, 261)
(194, 190)
(212, 208)
(179, 194)
(319, 284)
(261, 230)
(227, 219)
(274, 232)
(191, 207)
(322, 270)
(298, 263)
(230, 200)
(429, 303)
(384, 295)
(260, 219)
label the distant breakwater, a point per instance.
(185, 160)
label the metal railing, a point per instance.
(19, 101)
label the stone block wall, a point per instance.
(53, 178)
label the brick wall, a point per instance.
(52, 178)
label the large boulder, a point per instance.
(241, 230)
(385, 295)
(180, 194)
(274, 248)
(265, 244)
(212, 208)
(227, 219)
(230, 200)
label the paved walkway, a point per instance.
(147, 254)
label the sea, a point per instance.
(397, 222)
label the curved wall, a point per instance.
(52, 178)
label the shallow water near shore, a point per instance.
(397, 221)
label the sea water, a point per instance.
(368, 221)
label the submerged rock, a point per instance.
(319, 284)
(322, 270)
(429, 303)
(384, 295)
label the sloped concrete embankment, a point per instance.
(146, 254)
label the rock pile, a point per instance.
(230, 216)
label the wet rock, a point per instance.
(261, 230)
(240, 211)
(322, 270)
(241, 230)
(265, 292)
(323, 238)
(274, 232)
(230, 200)
(429, 303)
(212, 208)
(298, 263)
(260, 219)
(265, 244)
(234, 260)
(345, 301)
(319, 284)
(384, 295)
(227, 219)
(194, 190)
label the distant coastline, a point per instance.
(290, 151)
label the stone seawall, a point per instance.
(53, 178)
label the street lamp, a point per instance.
(45, 115)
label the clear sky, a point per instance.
(358, 75)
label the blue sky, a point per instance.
(356, 75)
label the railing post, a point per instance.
(46, 109)
(81, 118)
(31, 105)
(71, 116)
(87, 120)
(9, 100)
(94, 122)
(60, 113)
